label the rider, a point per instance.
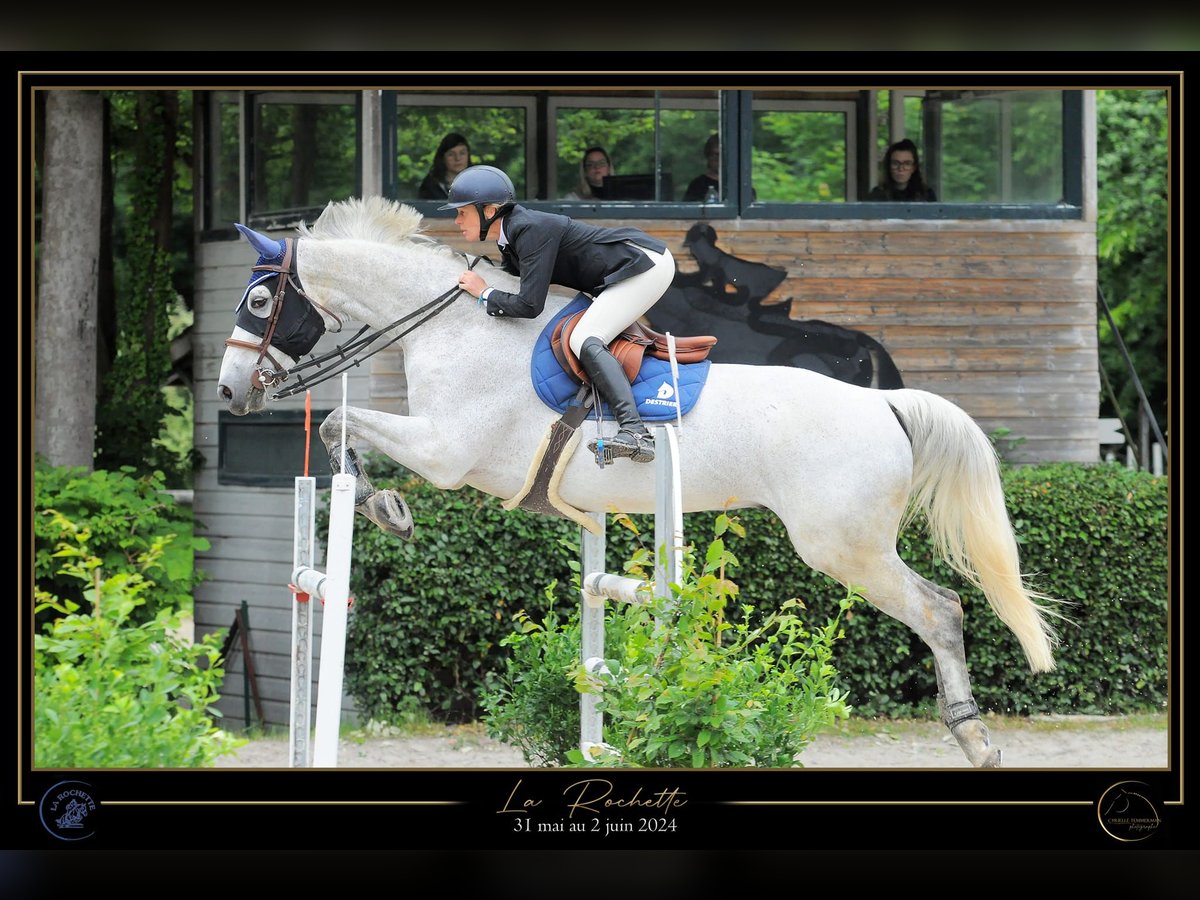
(624, 270)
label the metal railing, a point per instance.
(1147, 421)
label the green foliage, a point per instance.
(1132, 244)
(1097, 538)
(534, 704)
(121, 517)
(112, 693)
(132, 405)
(432, 615)
(799, 158)
(681, 686)
(974, 133)
(1093, 535)
(629, 137)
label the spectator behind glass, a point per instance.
(452, 156)
(902, 180)
(595, 166)
(710, 177)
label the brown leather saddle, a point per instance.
(629, 347)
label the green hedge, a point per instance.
(120, 515)
(430, 613)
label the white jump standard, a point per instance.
(333, 588)
(599, 585)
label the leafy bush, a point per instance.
(124, 516)
(431, 614)
(112, 693)
(535, 704)
(681, 685)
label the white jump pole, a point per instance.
(591, 626)
(304, 523)
(300, 726)
(668, 512)
(337, 599)
(599, 585)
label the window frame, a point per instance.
(275, 218)
(735, 112)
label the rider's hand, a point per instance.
(471, 283)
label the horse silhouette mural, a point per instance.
(725, 297)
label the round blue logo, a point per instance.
(68, 811)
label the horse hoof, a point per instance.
(388, 510)
(972, 737)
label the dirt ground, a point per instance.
(1048, 742)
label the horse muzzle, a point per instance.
(252, 401)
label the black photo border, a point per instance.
(821, 812)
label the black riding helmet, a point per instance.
(480, 186)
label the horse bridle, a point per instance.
(264, 377)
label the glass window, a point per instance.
(497, 129)
(800, 151)
(224, 159)
(655, 140)
(268, 451)
(275, 157)
(997, 147)
(304, 152)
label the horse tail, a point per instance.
(956, 484)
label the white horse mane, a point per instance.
(375, 219)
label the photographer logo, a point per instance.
(1126, 813)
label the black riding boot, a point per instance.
(632, 440)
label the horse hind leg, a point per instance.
(935, 614)
(386, 508)
(960, 716)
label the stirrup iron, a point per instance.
(625, 444)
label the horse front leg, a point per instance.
(386, 508)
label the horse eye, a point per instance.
(259, 302)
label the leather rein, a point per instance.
(348, 355)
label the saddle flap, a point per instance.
(628, 347)
(687, 349)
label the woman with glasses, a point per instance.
(902, 180)
(595, 166)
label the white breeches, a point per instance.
(623, 303)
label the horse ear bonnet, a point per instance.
(270, 253)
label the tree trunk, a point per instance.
(65, 318)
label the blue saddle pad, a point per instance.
(653, 389)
